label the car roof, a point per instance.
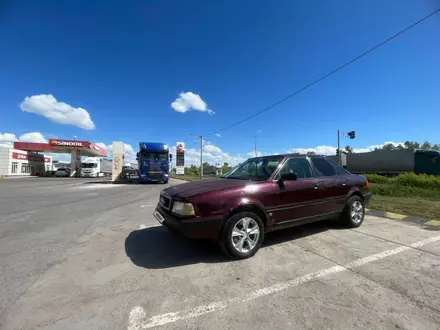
(290, 155)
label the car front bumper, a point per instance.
(194, 228)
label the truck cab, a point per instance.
(154, 162)
(94, 167)
(90, 167)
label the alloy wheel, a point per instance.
(357, 211)
(245, 235)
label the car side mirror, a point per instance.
(287, 177)
(171, 157)
(137, 156)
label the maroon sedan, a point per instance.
(261, 195)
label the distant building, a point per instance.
(212, 169)
(14, 162)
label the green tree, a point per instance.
(348, 149)
(436, 147)
(226, 168)
(426, 145)
(311, 153)
(388, 147)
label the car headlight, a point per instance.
(184, 209)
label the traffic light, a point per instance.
(351, 134)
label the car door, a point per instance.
(332, 187)
(297, 199)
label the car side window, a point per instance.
(300, 166)
(339, 169)
(323, 167)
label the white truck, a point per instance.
(96, 167)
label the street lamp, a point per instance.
(201, 154)
(255, 141)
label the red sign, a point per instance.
(32, 158)
(179, 149)
(69, 143)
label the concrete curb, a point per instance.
(426, 223)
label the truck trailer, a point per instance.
(96, 167)
(392, 162)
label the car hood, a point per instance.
(191, 189)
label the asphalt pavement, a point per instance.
(78, 254)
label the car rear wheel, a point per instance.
(354, 212)
(242, 235)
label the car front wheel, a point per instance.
(242, 235)
(354, 212)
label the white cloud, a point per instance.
(320, 150)
(217, 135)
(129, 153)
(190, 101)
(211, 148)
(59, 112)
(211, 154)
(33, 137)
(252, 153)
(8, 139)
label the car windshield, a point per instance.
(255, 169)
(150, 156)
(89, 165)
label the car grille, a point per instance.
(165, 201)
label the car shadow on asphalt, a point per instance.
(158, 248)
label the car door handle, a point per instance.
(316, 186)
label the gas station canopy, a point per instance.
(85, 148)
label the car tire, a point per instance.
(246, 245)
(354, 212)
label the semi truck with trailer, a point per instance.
(153, 162)
(391, 162)
(96, 167)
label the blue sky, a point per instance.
(125, 63)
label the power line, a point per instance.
(330, 73)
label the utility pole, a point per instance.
(351, 135)
(201, 154)
(201, 157)
(255, 141)
(339, 149)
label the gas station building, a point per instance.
(30, 152)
